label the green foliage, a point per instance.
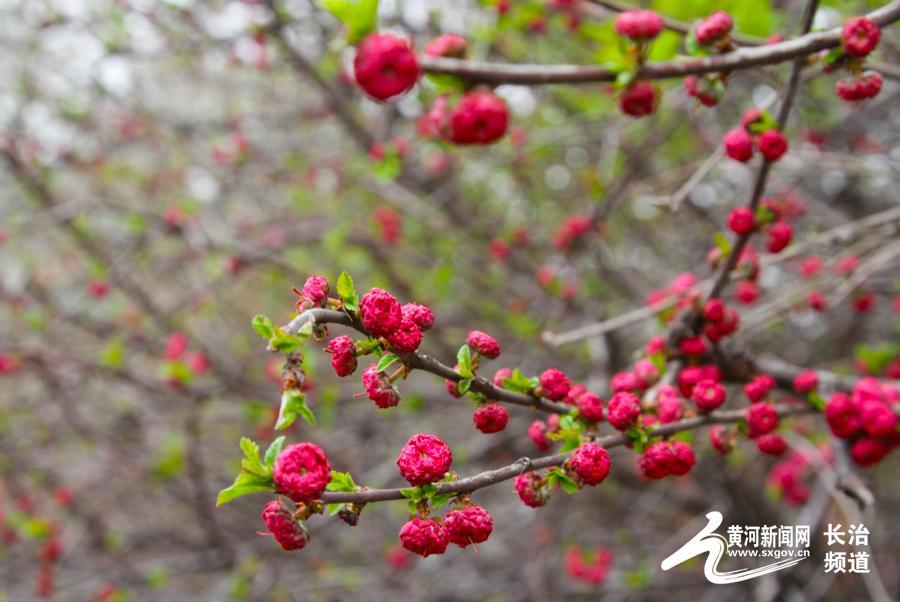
(293, 404)
(570, 432)
(464, 362)
(558, 477)
(639, 437)
(386, 361)
(360, 16)
(113, 353)
(169, 461)
(255, 476)
(347, 292)
(876, 357)
(520, 383)
(263, 326)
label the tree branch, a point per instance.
(743, 58)
(421, 361)
(523, 465)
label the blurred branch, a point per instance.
(743, 58)
(842, 233)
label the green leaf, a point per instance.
(263, 326)
(570, 442)
(285, 342)
(272, 452)
(113, 354)
(519, 382)
(241, 489)
(691, 46)
(835, 55)
(385, 362)
(441, 500)
(446, 83)
(665, 46)
(816, 400)
(409, 492)
(753, 17)
(390, 167)
(464, 361)
(254, 476)
(464, 385)
(412, 507)
(334, 508)
(568, 485)
(360, 16)
(625, 77)
(251, 462)
(876, 357)
(638, 437)
(293, 403)
(345, 286)
(723, 243)
(341, 481)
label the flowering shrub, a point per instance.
(562, 311)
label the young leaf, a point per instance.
(638, 437)
(464, 361)
(439, 501)
(251, 462)
(360, 16)
(625, 77)
(293, 403)
(519, 382)
(464, 385)
(263, 326)
(272, 452)
(235, 491)
(385, 362)
(568, 485)
(347, 292)
(253, 478)
(284, 342)
(816, 400)
(723, 243)
(341, 481)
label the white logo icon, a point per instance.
(714, 546)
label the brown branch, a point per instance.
(522, 465)
(743, 58)
(421, 361)
(763, 174)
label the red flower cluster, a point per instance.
(424, 459)
(288, 531)
(740, 141)
(479, 117)
(591, 568)
(301, 472)
(860, 36)
(866, 418)
(665, 458)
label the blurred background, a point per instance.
(172, 168)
